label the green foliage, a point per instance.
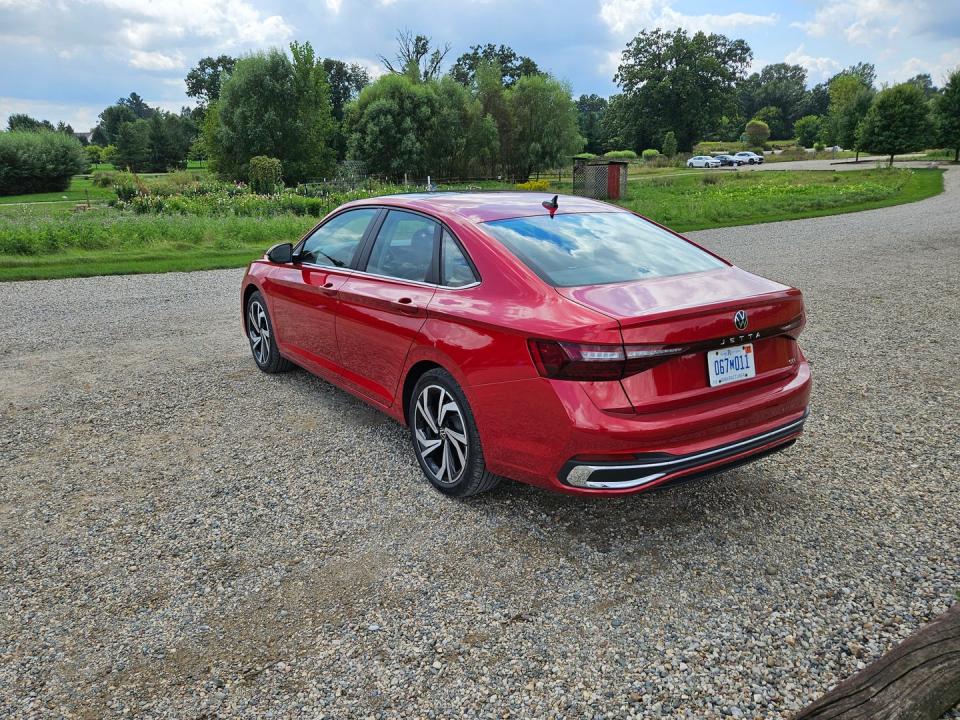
(266, 175)
(897, 122)
(103, 178)
(21, 122)
(203, 81)
(649, 154)
(108, 154)
(544, 124)
(133, 146)
(774, 119)
(512, 66)
(670, 144)
(620, 155)
(590, 112)
(757, 132)
(947, 114)
(127, 186)
(850, 98)
(678, 82)
(42, 161)
(807, 130)
(274, 107)
(93, 153)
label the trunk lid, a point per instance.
(698, 309)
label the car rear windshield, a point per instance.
(598, 248)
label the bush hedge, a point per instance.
(34, 162)
(621, 155)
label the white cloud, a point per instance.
(156, 60)
(631, 16)
(939, 69)
(861, 22)
(80, 117)
(819, 68)
(334, 6)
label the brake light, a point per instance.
(576, 361)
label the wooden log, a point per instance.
(919, 679)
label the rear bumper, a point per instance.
(654, 469)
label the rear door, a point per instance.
(384, 304)
(305, 295)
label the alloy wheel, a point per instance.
(258, 330)
(441, 434)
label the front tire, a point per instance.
(263, 341)
(445, 438)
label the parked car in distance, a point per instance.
(703, 161)
(750, 158)
(561, 342)
(729, 160)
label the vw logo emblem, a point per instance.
(740, 320)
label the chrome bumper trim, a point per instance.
(612, 476)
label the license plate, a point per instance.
(730, 364)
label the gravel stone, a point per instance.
(184, 536)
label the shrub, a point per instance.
(266, 175)
(93, 153)
(103, 178)
(585, 156)
(534, 185)
(757, 132)
(670, 144)
(620, 155)
(127, 185)
(819, 146)
(108, 154)
(649, 154)
(33, 162)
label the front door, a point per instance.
(384, 304)
(305, 294)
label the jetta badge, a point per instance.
(740, 320)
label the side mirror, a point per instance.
(281, 253)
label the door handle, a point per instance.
(407, 306)
(327, 289)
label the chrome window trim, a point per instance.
(351, 272)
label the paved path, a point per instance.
(183, 536)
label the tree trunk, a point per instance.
(919, 679)
(891, 159)
(956, 154)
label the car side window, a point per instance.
(457, 271)
(404, 247)
(335, 242)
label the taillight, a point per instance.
(576, 361)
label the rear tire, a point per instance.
(444, 436)
(263, 341)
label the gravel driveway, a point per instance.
(183, 536)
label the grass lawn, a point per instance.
(52, 241)
(80, 188)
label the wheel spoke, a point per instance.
(460, 449)
(428, 445)
(425, 411)
(448, 407)
(442, 470)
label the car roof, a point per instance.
(489, 205)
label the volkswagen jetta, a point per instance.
(562, 341)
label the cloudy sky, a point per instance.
(67, 59)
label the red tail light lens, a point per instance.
(575, 361)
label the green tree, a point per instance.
(947, 114)
(133, 146)
(464, 140)
(203, 81)
(94, 154)
(590, 111)
(492, 96)
(850, 98)
(111, 119)
(21, 122)
(417, 57)
(774, 119)
(669, 144)
(512, 66)
(757, 132)
(925, 83)
(681, 82)
(781, 86)
(274, 107)
(44, 161)
(807, 130)
(897, 122)
(545, 124)
(137, 105)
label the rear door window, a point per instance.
(404, 247)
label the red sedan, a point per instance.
(561, 342)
